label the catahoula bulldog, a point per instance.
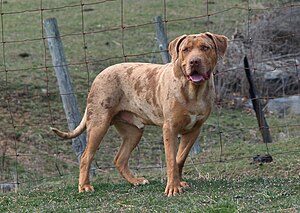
(178, 97)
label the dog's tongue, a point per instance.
(196, 77)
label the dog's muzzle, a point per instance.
(196, 75)
(197, 78)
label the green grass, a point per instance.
(257, 194)
(30, 103)
(233, 185)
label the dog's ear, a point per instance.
(220, 43)
(174, 47)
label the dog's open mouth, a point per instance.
(196, 77)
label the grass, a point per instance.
(259, 194)
(234, 185)
(46, 167)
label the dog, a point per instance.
(177, 96)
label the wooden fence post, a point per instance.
(65, 85)
(262, 122)
(162, 39)
(162, 42)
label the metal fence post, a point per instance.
(261, 119)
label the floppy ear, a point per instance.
(220, 43)
(174, 47)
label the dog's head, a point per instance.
(197, 55)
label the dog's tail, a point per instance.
(72, 134)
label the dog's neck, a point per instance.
(195, 92)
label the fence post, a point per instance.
(65, 85)
(262, 122)
(162, 39)
(162, 42)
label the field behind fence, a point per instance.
(97, 34)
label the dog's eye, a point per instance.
(185, 49)
(204, 48)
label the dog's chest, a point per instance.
(193, 120)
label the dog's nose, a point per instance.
(195, 62)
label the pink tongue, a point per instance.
(196, 77)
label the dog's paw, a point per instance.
(172, 190)
(140, 181)
(86, 188)
(184, 184)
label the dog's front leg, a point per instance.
(173, 179)
(186, 143)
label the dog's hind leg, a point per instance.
(131, 136)
(96, 132)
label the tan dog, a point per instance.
(177, 96)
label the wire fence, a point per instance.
(97, 34)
